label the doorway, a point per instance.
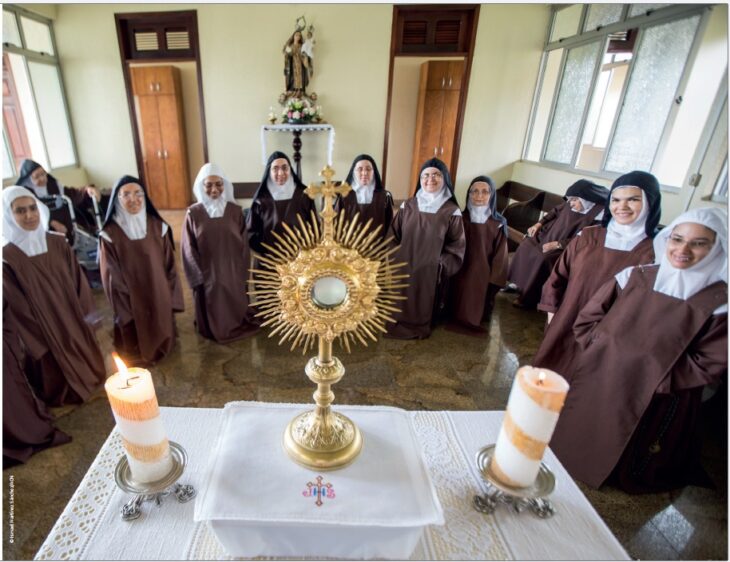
(162, 75)
(431, 52)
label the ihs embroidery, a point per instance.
(319, 490)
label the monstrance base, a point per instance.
(322, 442)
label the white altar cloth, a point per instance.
(260, 503)
(90, 527)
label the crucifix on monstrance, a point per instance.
(324, 281)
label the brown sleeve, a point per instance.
(554, 288)
(704, 361)
(500, 259)
(77, 195)
(452, 253)
(81, 283)
(255, 227)
(178, 305)
(564, 242)
(190, 254)
(28, 328)
(115, 287)
(594, 311)
(396, 227)
(244, 237)
(388, 220)
(550, 216)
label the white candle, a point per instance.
(534, 404)
(134, 405)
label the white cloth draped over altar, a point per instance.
(90, 527)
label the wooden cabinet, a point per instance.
(439, 97)
(158, 104)
(444, 75)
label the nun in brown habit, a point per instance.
(545, 241)
(368, 196)
(651, 338)
(216, 257)
(137, 263)
(484, 272)
(51, 303)
(43, 185)
(279, 198)
(429, 229)
(594, 257)
(27, 425)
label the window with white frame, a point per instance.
(36, 124)
(626, 87)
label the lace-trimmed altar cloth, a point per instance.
(90, 527)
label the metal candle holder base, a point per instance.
(154, 491)
(533, 497)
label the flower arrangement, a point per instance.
(301, 110)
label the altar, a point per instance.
(90, 527)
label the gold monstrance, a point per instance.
(316, 284)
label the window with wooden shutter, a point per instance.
(158, 35)
(434, 29)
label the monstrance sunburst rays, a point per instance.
(354, 253)
(321, 282)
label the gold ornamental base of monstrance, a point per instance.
(323, 281)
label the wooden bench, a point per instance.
(521, 205)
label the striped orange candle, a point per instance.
(534, 404)
(134, 405)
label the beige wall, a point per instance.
(242, 69)
(508, 49)
(242, 77)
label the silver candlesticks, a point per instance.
(533, 497)
(154, 491)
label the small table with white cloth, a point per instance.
(90, 527)
(297, 131)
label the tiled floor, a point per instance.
(447, 371)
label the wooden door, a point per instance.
(428, 131)
(143, 82)
(448, 126)
(13, 116)
(174, 152)
(455, 75)
(438, 74)
(152, 155)
(164, 80)
(153, 80)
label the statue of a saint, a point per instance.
(297, 64)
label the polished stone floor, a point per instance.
(449, 371)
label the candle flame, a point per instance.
(121, 367)
(541, 377)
